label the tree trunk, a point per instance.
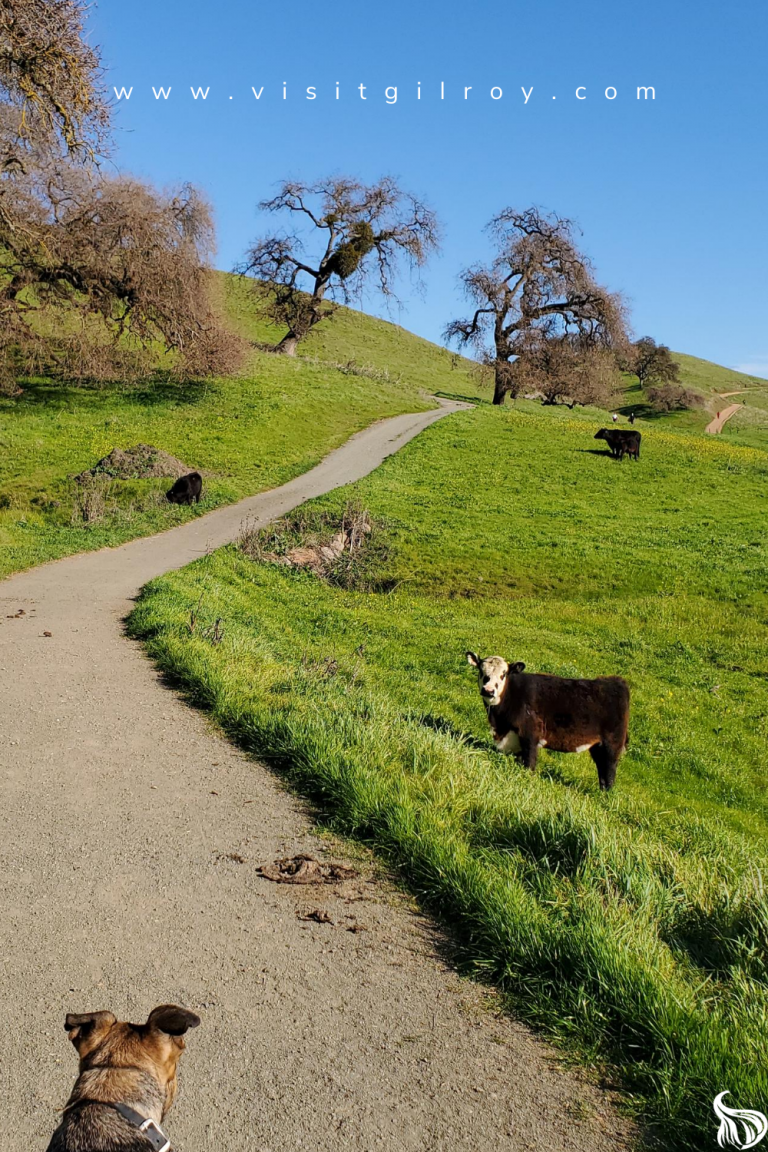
(500, 388)
(290, 341)
(288, 344)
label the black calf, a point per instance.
(186, 489)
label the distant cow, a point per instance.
(186, 489)
(531, 711)
(621, 441)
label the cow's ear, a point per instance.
(473, 659)
(513, 669)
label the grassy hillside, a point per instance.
(246, 433)
(713, 382)
(633, 925)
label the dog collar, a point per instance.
(148, 1127)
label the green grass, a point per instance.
(631, 926)
(749, 426)
(246, 433)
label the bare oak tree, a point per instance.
(562, 370)
(51, 89)
(94, 270)
(539, 312)
(348, 234)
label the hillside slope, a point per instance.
(245, 433)
(713, 382)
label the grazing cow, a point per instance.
(186, 489)
(530, 711)
(621, 441)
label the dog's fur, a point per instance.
(529, 711)
(133, 1064)
(186, 489)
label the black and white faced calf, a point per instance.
(528, 711)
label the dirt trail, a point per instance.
(130, 835)
(722, 418)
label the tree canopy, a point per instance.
(345, 235)
(540, 314)
(94, 269)
(652, 363)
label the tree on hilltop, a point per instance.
(353, 234)
(540, 315)
(93, 269)
(652, 363)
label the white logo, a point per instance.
(754, 1124)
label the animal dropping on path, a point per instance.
(318, 915)
(304, 869)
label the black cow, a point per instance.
(621, 441)
(186, 489)
(531, 711)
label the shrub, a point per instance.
(673, 398)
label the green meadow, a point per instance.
(245, 433)
(631, 927)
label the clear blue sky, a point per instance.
(671, 196)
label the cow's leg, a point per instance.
(605, 759)
(529, 751)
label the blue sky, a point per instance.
(670, 195)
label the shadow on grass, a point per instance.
(475, 400)
(643, 412)
(160, 392)
(439, 724)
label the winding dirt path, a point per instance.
(722, 418)
(130, 834)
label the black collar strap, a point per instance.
(151, 1129)
(158, 1140)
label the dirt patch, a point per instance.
(306, 870)
(347, 549)
(142, 462)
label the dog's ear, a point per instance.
(88, 1029)
(473, 659)
(513, 669)
(172, 1020)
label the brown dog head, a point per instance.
(103, 1041)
